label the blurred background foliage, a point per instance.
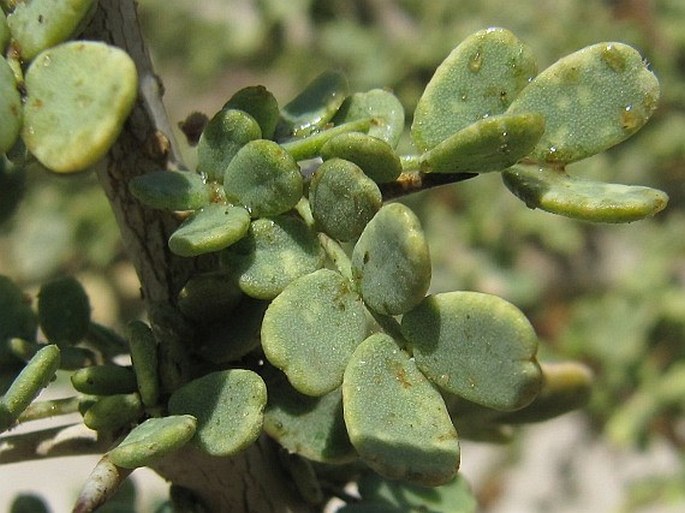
(612, 296)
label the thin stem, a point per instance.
(52, 408)
(409, 183)
(410, 162)
(337, 255)
(305, 212)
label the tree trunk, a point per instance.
(253, 481)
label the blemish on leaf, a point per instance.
(614, 58)
(475, 62)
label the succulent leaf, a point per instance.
(480, 78)
(314, 107)
(64, 311)
(37, 25)
(273, 253)
(374, 156)
(70, 119)
(153, 439)
(10, 108)
(106, 379)
(144, 360)
(395, 418)
(259, 103)
(209, 297)
(312, 427)
(390, 261)
(264, 178)
(477, 346)
(557, 192)
(331, 322)
(343, 199)
(113, 412)
(491, 144)
(228, 131)
(228, 406)
(171, 190)
(211, 228)
(591, 100)
(380, 105)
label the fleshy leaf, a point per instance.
(143, 348)
(331, 322)
(453, 497)
(274, 253)
(480, 78)
(391, 262)
(228, 406)
(591, 100)
(314, 107)
(209, 297)
(35, 376)
(566, 386)
(228, 131)
(106, 379)
(491, 144)
(171, 190)
(70, 119)
(113, 412)
(310, 147)
(395, 418)
(10, 108)
(37, 25)
(380, 105)
(259, 103)
(312, 427)
(237, 335)
(477, 346)
(264, 178)
(211, 228)
(64, 311)
(343, 199)
(376, 157)
(557, 192)
(153, 439)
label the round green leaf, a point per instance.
(274, 253)
(380, 105)
(591, 100)
(64, 311)
(311, 329)
(10, 108)
(310, 147)
(153, 439)
(264, 178)
(491, 144)
(209, 297)
(557, 192)
(390, 261)
(37, 25)
(375, 156)
(477, 346)
(480, 78)
(314, 107)
(211, 228)
(113, 412)
(171, 190)
(79, 95)
(228, 131)
(35, 376)
(259, 103)
(228, 406)
(27, 503)
(312, 427)
(343, 199)
(107, 379)
(395, 418)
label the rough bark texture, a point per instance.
(253, 481)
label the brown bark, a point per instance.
(251, 482)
